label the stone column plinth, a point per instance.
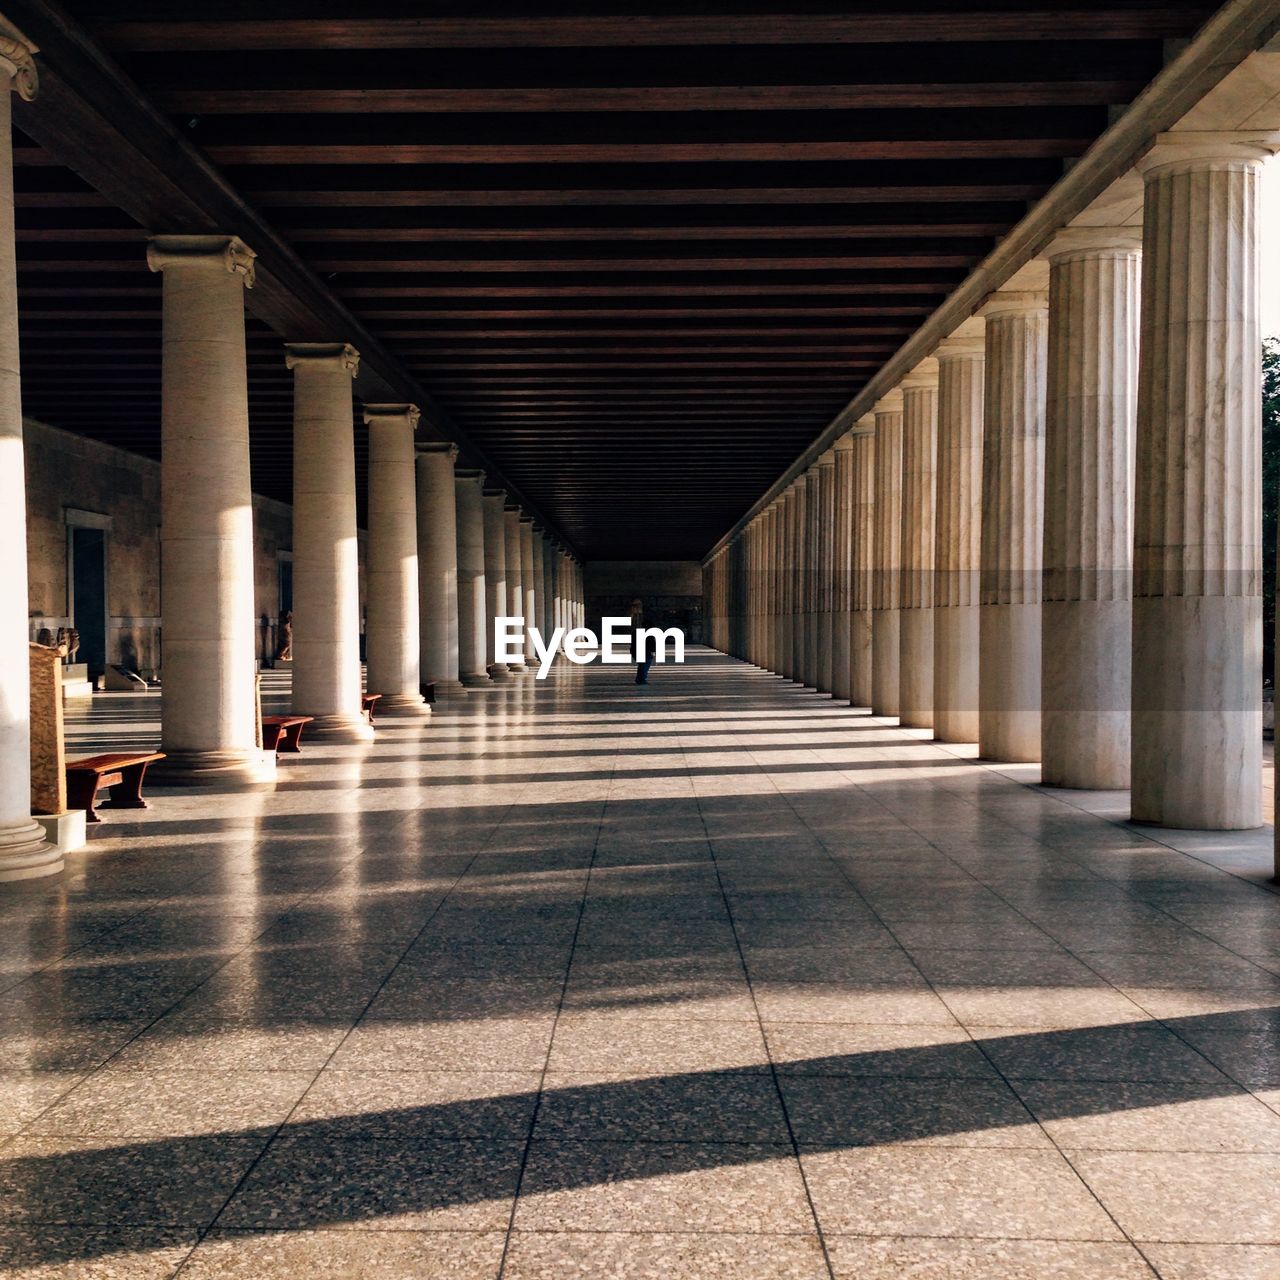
(515, 578)
(472, 605)
(887, 589)
(823, 580)
(841, 562)
(919, 475)
(958, 534)
(495, 576)
(1090, 415)
(326, 571)
(1197, 621)
(392, 644)
(1012, 526)
(862, 561)
(208, 720)
(438, 567)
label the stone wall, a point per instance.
(71, 478)
(671, 591)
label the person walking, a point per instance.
(646, 655)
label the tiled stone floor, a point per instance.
(709, 979)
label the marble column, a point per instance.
(887, 588)
(515, 578)
(468, 498)
(392, 647)
(812, 575)
(919, 484)
(842, 550)
(958, 533)
(862, 561)
(528, 588)
(786, 585)
(824, 585)
(208, 708)
(799, 579)
(438, 566)
(539, 581)
(326, 566)
(24, 852)
(1090, 416)
(495, 576)
(1197, 621)
(1012, 525)
(548, 585)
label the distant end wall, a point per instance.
(671, 591)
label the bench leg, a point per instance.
(291, 743)
(127, 793)
(82, 792)
(271, 735)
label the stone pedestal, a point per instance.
(515, 577)
(207, 710)
(1088, 530)
(863, 562)
(958, 534)
(1197, 621)
(438, 567)
(886, 591)
(392, 645)
(469, 501)
(1012, 526)
(495, 577)
(326, 583)
(919, 468)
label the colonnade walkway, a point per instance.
(713, 978)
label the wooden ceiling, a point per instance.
(639, 260)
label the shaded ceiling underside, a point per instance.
(640, 261)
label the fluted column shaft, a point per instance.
(799, 571)
(1012, 527)
(1197, 629)
(515, 578)
(811, 537)
(495, 577)
(438, 566)
(528, 588)
(393, 650)
(919, 475)
(326, 566)
(823, 585)
(862, 535)
(786, 594)
(472, 590)
(539, 580)
(1090, 414)
(548, 585)
(887, 591)
(24, 852)
(841, 560)
(208, 719)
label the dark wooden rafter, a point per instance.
(638, 260)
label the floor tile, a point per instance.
(1214, 1261)
(639, 1046)
(92, 1253)
(858, 1258)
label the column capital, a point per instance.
(865, 425)
(923, 377)
(1093, 242)
(493, 491)
(438, 446)
(512, 508)
(845, 443)
(229, 253)
(392, 415)
(526, 520)
(322, 355)
(470, 473)
(1208, 149)
(890, 402)
(827, 458)
(1014, 302)
(17, 60)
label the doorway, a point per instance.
(88, 603)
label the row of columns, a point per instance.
(1046, 539)
(445, 555)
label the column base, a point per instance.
(67, 831)
(342, 727)
(221, 770)
(449, 689)
(25, 854)
(498, 671)
(405, 706)
(518, 669)
(475, 679)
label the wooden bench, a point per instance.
(120, 772)
(368, 702)
(283, 734)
